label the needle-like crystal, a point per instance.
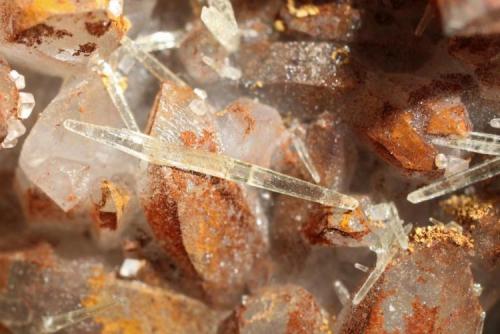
(55, 323)
(112, 82)
(160, 40)
(457, 181)
(303, 152)
(155, 151)
(476, 142)
(152, 64)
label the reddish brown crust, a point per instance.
(39, 205)
(396, 134)
(35, 35)
(423, 320)
(86, 49)
(98, 28)
(161, 213)
(241, 108)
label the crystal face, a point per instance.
(248, 167)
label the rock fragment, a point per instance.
(282, 309)
(425, 290)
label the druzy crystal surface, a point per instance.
(235, 166)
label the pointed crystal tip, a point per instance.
(413, 197)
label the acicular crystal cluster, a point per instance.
(234, 166)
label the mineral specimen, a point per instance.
(235, 166)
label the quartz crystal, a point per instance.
(281, 309)
(64, 166)
(249, 166)
(421, 304)
(60, 33)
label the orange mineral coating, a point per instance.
(422, 320)
(287, 309)
(219, 229)
(143, 308)
(449, 121)
(398, 137)
(33, 12)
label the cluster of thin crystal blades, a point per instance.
(477, 142)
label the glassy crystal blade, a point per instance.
(111, 81)
(476, 142)
(341, 292)
(157, 152)
(457, 181)
(383, 260)
(220, 20)
(480, 325)
(396, 226)
(305, 157)
(426, 19)
(160, 40)
(361, 267)
(53, 324)
(151, 63)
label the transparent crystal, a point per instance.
(15, 130)
(441, 161)
(152, 64)
(455, 165)
(131, 267)
(27, 104)
(476, 142)
(157, 152)
(219, 18)
(361, 267)
(383, 259)
(160, 40)
(379, 212)
(480, 325)
(115, 7)
(302, 151)
(396, 225)
(113, 84)
(65, 166)
(224, 70)
(478, 289)
(18, 79)
(486, 170)
(53, 324)
(341, 292)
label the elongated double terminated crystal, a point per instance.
(157, 152)
(476, 142)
